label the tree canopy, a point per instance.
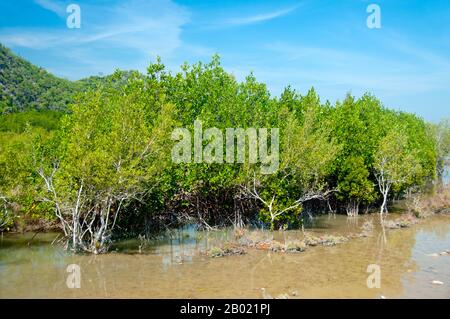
(107, 159)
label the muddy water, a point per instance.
(176, 266)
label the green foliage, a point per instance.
(18, 181)
(393, 159)
(361, 127)
(326, 150)
(104, 142)
(441, 136)
(105, 154)
(17, 122)
(358, 127)
(354, 182)
(27, 87)
(396, 166)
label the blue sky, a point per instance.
(325, 44)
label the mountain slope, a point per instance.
(24, 86)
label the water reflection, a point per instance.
(175, 265)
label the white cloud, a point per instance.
(26, 39)
(55, 6)
(385, 73)
(140, 29)
(238, 21)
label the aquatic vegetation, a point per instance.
(227, 249)
(402, 222)
(262, 241)
(295, 246)
(277, 246)
(263, 245)
(325, 240)
(253, 238)
(215, 252)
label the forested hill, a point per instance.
(24, 86)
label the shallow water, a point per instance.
(176, 266)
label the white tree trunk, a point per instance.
(385, 193)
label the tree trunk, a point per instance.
(383, 208)
(352, 208)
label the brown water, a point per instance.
(176, 266)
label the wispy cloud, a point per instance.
(51, 5)
(257, 18)
(408, 48)
(342, 69)
(136, 29)
(296, 52)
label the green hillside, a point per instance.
(25, 87)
